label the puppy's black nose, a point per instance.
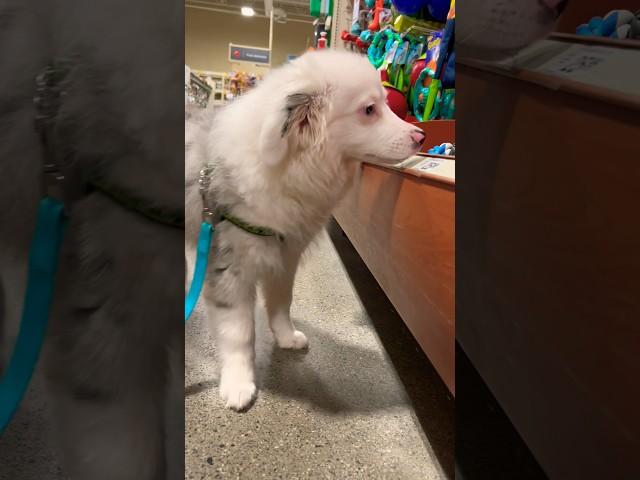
(418, 136)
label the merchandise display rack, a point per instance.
(218, 82)
(197, 92)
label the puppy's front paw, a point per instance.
(295, 340)
(237, 387)
(237, 393)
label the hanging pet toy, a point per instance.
(381, 42)
(422, 91)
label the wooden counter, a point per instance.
(547, 297)
(401, 222)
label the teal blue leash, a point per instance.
(43, 261)
(204, 245)
(51, 221)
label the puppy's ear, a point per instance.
(300, 126)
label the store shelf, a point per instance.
(401, 222)
(219, 84)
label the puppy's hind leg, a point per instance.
(230, 307)
(278, 291)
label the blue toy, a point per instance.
(619, 24)
(448, 105)
(409, 7)
(439, 9)
(366, 36)
(444, 149)
(421, 94)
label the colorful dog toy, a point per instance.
(381, 14)
(621, 24)
(380, 46)
(422, 91)
(443, 149)
(355, 40)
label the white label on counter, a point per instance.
(598, 66)
(428, 165)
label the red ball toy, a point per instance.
(415, 71)
(396, 101)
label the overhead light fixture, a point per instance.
(248, 11)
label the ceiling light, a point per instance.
(247, 11)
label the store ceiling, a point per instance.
(296, 10)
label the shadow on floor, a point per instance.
(335, 376)
(432, 402)
(200, 387)
(350, 385)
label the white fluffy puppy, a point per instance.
(282, 157)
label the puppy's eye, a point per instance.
(369, 110)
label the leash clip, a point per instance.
(53, 182)
(205, 181)
(47, 103)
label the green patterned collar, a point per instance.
(204, 181)
(249, 228)
(164, 215)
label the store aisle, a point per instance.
(361, 403)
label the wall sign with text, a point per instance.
(242, 53)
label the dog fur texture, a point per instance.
(115, 337)
(283, 156)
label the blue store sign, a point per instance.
(240, 53)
